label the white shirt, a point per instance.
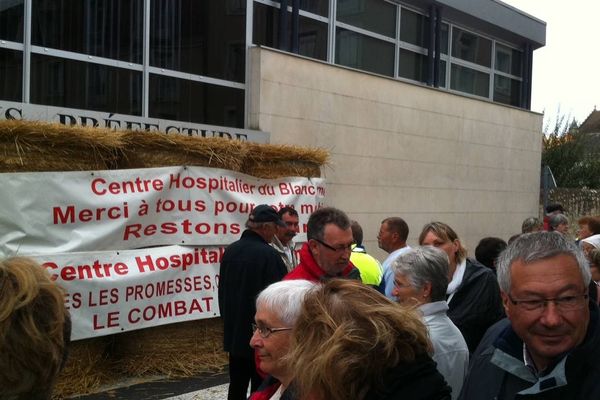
(388, 273)
(450, 350)
(457, 279)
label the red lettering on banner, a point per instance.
(85, 271)
(112, 321)
(170, 309)
(222, 183)
(286, 188)
(69, 215)
(104, 297)
(138, 185)
(187, 227)
(233, 207)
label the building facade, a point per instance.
(423, 104)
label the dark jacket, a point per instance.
(501, 346)
(268, 388)
(309, 269)
(247, 267)
(476, 304)
(417, 380)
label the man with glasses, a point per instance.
(327, 252)
(549, 347)
(248, 266)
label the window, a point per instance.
(508, 60)
(103, 28)
(11, 20)
(507, 90)
(319, 7)
(412, 66)
(414, 28)
(184, 100)
(312, 34)
(11, 67)
(469, 80)
(363, 52)
(372, 15)
(183, 38)
(67, 83)
(470, 47)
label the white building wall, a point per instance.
(399, 149)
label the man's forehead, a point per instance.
(546, 270)
(334, 232)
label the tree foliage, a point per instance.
(572, 157)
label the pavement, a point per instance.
(212, 387)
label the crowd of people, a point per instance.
(518, 321)
(330, 321)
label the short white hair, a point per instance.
(285, 299)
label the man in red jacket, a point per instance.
(327, 252)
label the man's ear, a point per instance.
(427, 290)
(506, 303)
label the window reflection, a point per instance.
(67, 83)
(183, 100)
(413, 66)
(373, 15)
(11, 20)
(103, 28)
(507, 90)
(199, 37)
(312, 34)
(319, 7)
(469, 80)
(363, 52)
(470, 47)
(414, 28)
(508, 60)
(11, 71)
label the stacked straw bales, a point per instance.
(183, 349)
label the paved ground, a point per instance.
(197, 388)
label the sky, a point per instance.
(566, 72)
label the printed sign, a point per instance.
(49, 213)
(112, 292)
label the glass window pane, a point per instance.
(469, 80)
(199, 37)
(373, 15)
(75, 84)
(442, 74)
(103, 28)
(507, 90)
(362, 52)
(183, 100)
(312, 34)
(444, 39)
(319, 7)
(11, 20)
(508, 60)
(414, 28)
(11, 71)
(413, 66)
(470, 47)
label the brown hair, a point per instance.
(593, 224)
(447, 234)
(346, 336)
(34, 329)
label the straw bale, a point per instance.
(183, 349)
(29, 146)
(275, 161)
(87, 368)
(153, 149)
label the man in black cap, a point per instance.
(247, 267)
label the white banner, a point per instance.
(61, 212)
(111, 292)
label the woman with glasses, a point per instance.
(277, 308)
(421, 279)
(350, 342)
(473, 296)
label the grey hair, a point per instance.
(558, 219)
(425, 264)
(530, 224)
(285, 299)
(536, 246)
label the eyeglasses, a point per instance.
(341, 248)
(564, 303)
(265, 332)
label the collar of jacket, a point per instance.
(250, 234)
(310, 265)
